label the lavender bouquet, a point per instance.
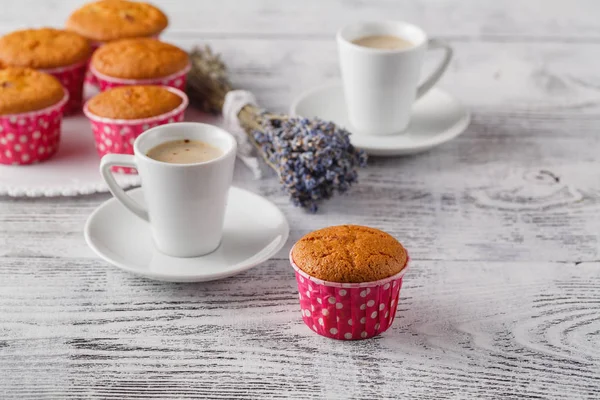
(313, 159)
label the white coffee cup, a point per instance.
(380, 86)
(185, 202)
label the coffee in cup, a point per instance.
(185, 193)
(384, 42)
(184, 151)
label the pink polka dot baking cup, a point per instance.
(118, 135)
(176, 80)
(31, 137)
(72, 78)
(348, 311)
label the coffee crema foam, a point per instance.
(383, 42)
(184, 151)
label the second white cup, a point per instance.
(185, 202)
(380, 85)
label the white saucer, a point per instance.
(436, 118)
(255, 230)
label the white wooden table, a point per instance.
(503, 298)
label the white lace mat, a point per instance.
(72, 171)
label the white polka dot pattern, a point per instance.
(72, 78)
(118, 138)
(349, 313)
(32, 137)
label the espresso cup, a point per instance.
(185, 203)
(380, 85)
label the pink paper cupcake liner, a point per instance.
(72, 78)
(176, 80)
(31, 137)
(118, 135)
(348, 311)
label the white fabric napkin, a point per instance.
(235, 100)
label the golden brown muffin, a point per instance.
(24, 90)
(134, 102)
(117, 19)
(349, 254)
(139, 59)
(43, 48)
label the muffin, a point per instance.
(134, 102)
(108, 20)
(349, 280)
(140, 61)
(31, 110)
(44, 48)
(60, 53)
(118, 116)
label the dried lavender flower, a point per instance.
(313, 158)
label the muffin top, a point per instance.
(24, 90)
(43, 48)
(139, 59)
(117, 19)
(134, 102)
(349, 254)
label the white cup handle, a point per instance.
(433, 44)
(121, 160)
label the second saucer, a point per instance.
(436, 118)
(249, 238)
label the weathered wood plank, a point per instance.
(500, 175)
(524, 78)
(501, 20)
(528, 193)
(465, 329)
(502, 299)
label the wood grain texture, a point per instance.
(465, 329)
(502, 299)
(534, 20)
(528, 193)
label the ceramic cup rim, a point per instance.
(148, 81)
(350, 285)
(343, 39)
(105, 120)
(46, 110)
(227, 153)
